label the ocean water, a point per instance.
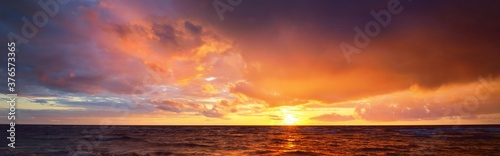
(254, 140)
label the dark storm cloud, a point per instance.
(456, 41)
(62, 56)
(430, 43)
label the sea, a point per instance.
(73, 140)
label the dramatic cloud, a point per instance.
(177, 59)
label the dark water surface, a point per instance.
(254, 140)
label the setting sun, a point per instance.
(290, 120)
(289, 115)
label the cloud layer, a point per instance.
(179, 58)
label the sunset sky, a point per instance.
(274, 62)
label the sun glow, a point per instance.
(289, 115)
(290, 120)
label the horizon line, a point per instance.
(221, 125)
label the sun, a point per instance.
(290, 120)
(288, 115)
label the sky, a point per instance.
(254, 62)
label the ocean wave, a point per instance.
(335, 140)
